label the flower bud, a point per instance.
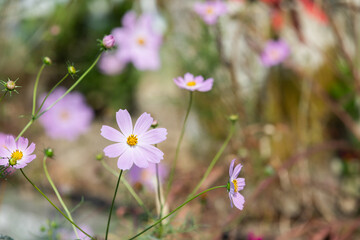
(10, 85)
(12, 161)
(99, 156)
(233, 118)
(49, 152)
(71, 69)
(108, 41)
(154, 124)
(47, 61)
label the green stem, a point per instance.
(112, 206)
(215, 159)
(159, 197)
(55, 205)
(171, 176)
(35, 88)
(25, 128)
(72, 87)
(56, 85)
(58, 195)
(1, 98)
(160, 220)
(128, 186)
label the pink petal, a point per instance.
(231, 201)
(231, 168)
(4, 161)
(143, 123)
(179, 82)
(236, 171)
(112, 134)
(30, 149)
(238, 200)
(199, 79)
(22, 143)
(140, 158)
(188, 77)
(10, 143)
(240, 183)
(125, 161)
(206, 86)
(124, 121)
(153, 154)
(153, 136)
(115, 150)
(28, 159)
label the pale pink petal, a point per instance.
(4, 152)
(125, 161)
(140, 159)
(115, 150)
(22, 144)
(142, 124)
(199, 79)
(238, 200)
(179, 82)
(10, 143)
(30, 149)
(206, 85)
(154, 154)
(28, 159)
(124, 121)
(231, 169)
(188, 77)
(240, 183)
(236, 171)
(4, 161)
(112, 134)
(231, 201)
(153, 136)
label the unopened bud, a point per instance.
(12, 161)
(71, 69)
(154, 124)
(233, 118)
(10, 85)
(47, 61)
(99, 156)
(49, 152)
(108, 41)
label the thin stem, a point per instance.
(159, 197)
(35, 88)
(72, 87)
(112, 206)
(176, 209)
(24, 129)
(55, 205)
(58, 195)
(56, 85)
(171, 176)
(1, 98)
(128, 186)
(215, 159)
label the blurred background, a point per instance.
(297, 136)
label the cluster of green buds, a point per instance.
(9, 86)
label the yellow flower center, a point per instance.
(141, 41)
(191, 84)
(15, 156)
(64, 115)
(132, 140)
(235, 185)
(209, 10)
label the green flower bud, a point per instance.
(233, 118)
(10, 85)
(99, 156)
(71, 69)
(47, 61)
(49, 152)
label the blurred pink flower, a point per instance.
(137, 42)
(274, 53)
(252, 236)
(66, 234)
(69, 118)
(191, 83)
(235, 185)
(147, 176)
(16, 154)
(109, 64)
(134, 145)
(210, 10)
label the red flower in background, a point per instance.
(315, 11)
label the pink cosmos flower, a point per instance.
(274, 53)
(192, 83)
(16, 154)
(252, 236)
(65, 234)
(235, 185)
(137, 42)
(134, 144)
(147, 176)
(69, 118)
(109, 64)
(210, 10)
